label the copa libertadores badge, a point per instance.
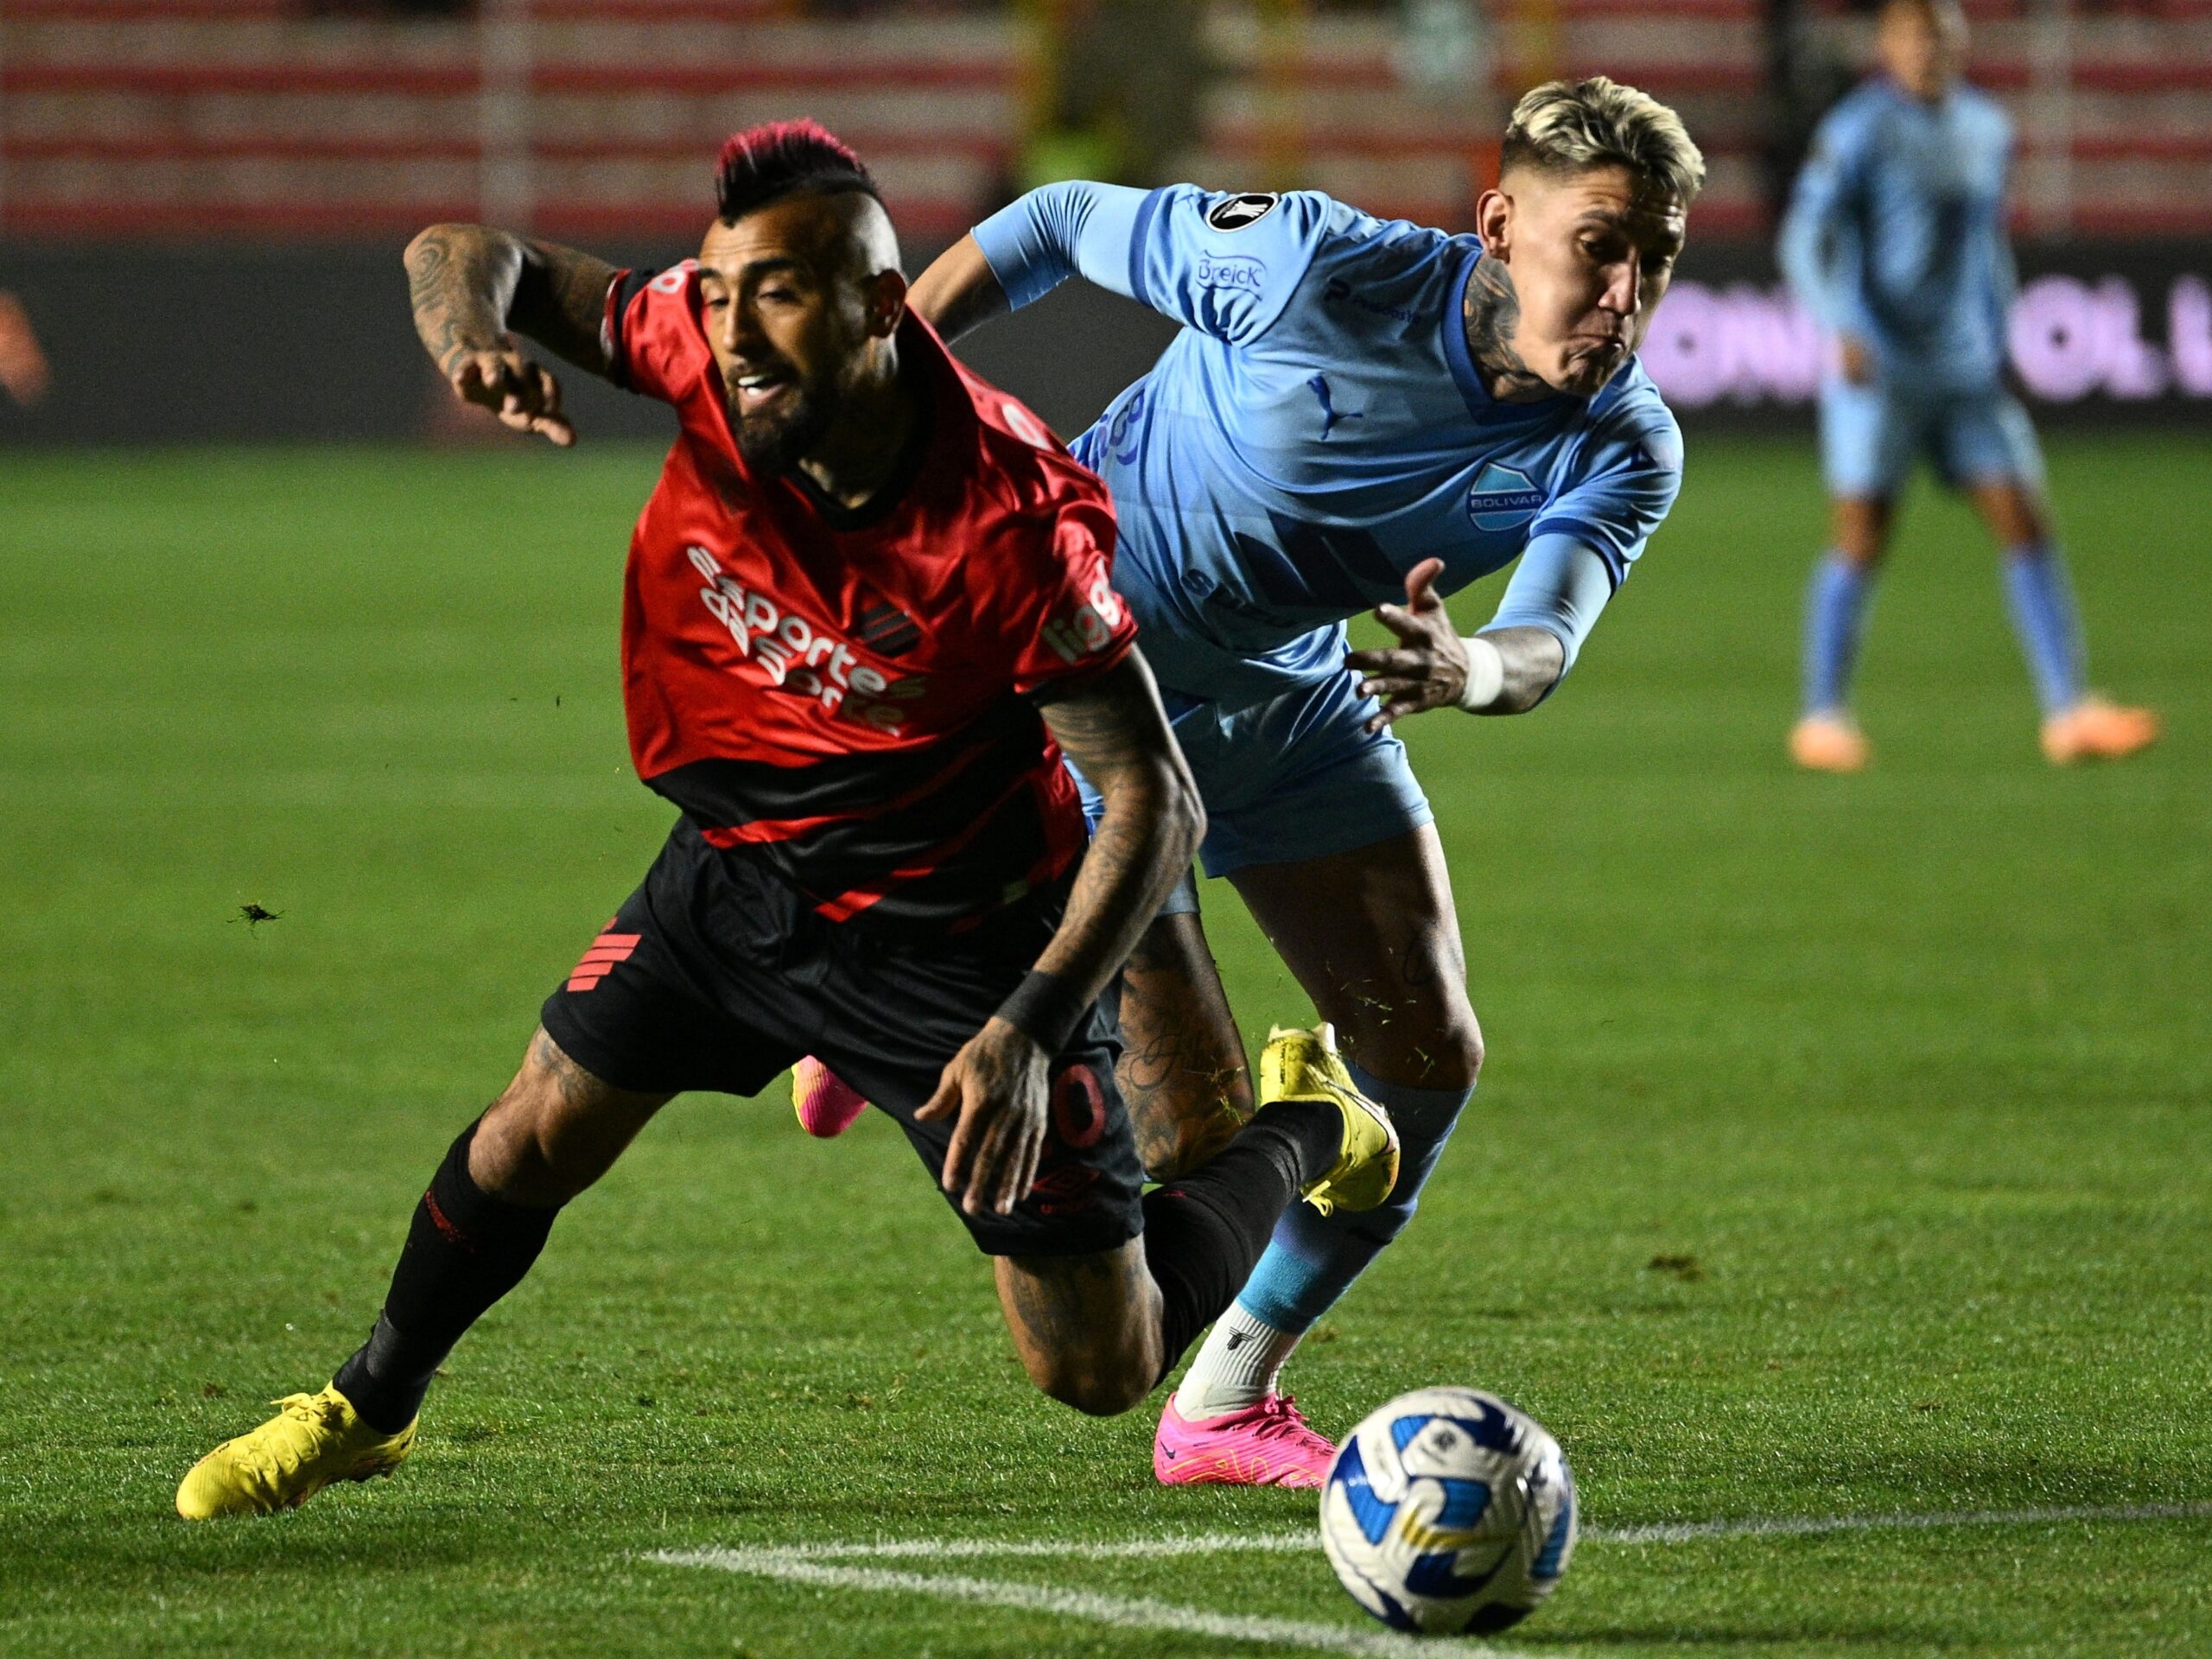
(1235, 213)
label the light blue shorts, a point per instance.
(1294, 777)
(1870, 435)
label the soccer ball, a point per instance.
(1449, 1511)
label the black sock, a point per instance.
(1204, 1233)
(465, 1250)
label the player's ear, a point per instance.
(886, 303)
(1494, 222)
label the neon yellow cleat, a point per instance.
(1304, 1065)
(312, 1440)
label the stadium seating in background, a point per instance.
(1326, 99)
(600, 119)
(597, 119)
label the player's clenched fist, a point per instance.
(522, 394)
(997, 1086)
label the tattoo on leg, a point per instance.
(1183, 1109)
(577, 1086)
(1058, 1302)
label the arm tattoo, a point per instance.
(1113, 730)
(469, 284)
(1491, 309)
(459, 291)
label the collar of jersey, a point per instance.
(921, 350)
(1486, 410)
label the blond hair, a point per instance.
(1570, 126)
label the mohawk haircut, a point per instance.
(780, 158)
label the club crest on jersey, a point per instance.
(802, 658)
(1502, 497)
(1235, 213)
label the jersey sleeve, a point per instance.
(1222, 262)
(1817, 247)
(650, 334)
(1078, 626)
(1560, 585)
(1628, 479)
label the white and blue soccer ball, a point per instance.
(1449, 1511)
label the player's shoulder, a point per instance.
(1853, 120)
(1024, 476)
(1632, 415)
(1982, 113)
(1256, 215)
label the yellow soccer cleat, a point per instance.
(1304, 1065)
(312, 1440)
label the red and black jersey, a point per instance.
(848, 696)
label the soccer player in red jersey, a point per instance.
(867, 608)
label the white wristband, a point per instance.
(1485, 675)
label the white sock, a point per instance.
(1237, 1367)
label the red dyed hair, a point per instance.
(763, 163)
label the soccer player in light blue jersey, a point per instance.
(1359, 414)
(1896, 240)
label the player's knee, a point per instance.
(1094, 1385)
(554, 1130)
(1444, 1051)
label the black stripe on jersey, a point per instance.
(627, 287)
(886, 630)
(722, 793)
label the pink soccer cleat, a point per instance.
(825, 1103)
(1266, 1444)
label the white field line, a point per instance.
(1304, 1538)
(819, 1564)
(1678, 1532)
(1126, 1612)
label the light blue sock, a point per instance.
(1835, 606)
(2043, 616)
(1313, 1259)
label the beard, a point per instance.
(774, 440)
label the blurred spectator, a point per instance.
(23, 364)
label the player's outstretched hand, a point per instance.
(1428, 668)
(996, 1087)
(522, 394)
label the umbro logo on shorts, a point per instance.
(609, 952)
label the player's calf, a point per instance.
(1182, 1070)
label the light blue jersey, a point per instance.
(1318, 429)
(1895, 233)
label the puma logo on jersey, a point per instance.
(806, 659)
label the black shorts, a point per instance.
(716, 974)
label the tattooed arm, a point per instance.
(470, 285)
(1113, 729)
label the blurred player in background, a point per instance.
(1896, 240)
(23, 364)
(1356, 414)
(867, 610)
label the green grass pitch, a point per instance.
(1906, 1076)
